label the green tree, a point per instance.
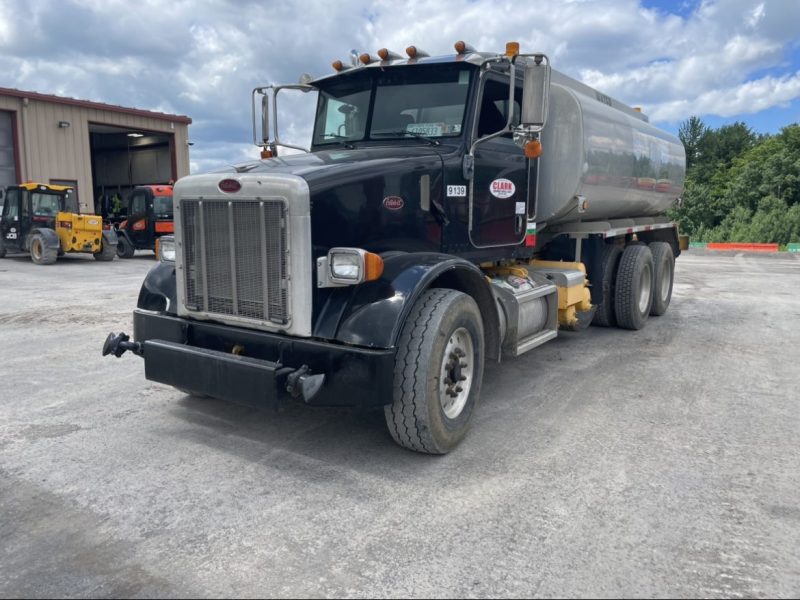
(690, 132)
(741, 187)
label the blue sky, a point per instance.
(724, 60)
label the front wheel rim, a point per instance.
(36, 247)
(457, 373)
(645, 288)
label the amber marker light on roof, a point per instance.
(512, 48)
(463, 47)
(365, 58)
(387, 54)
(337, 65)
(414, 52)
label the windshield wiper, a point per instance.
(341, 139)
(414, 134)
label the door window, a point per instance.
(494, 107)
(138, 203)
(11, 207)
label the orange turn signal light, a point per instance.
(414, 52)
(512, 48)
(461, 47)
(365, 58)
(337, 65)
(373, 266)
(533, 149)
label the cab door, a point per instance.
(139, 225)
(11, 227)
(499, 185)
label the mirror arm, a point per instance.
(264, 93)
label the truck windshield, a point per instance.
(410, 101)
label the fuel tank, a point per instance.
(600, 151)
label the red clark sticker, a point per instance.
(502, 188)
(393, 202)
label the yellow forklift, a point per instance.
(43, 220)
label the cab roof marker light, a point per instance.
(339, 66)
(512, 49)
(414, 52)
(387, 54)
(366, 58)
(463, 47)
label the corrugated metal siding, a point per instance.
(49, 152)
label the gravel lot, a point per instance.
(662, 463)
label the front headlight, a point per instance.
(165, 248)
(347, 265)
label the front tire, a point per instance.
(438, 372)
(41, 253)
(633, 296)
(2, 248)
(663, 277)
(124, 248)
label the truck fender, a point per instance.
(372, 314)
(49, 237)
(158, 290)
(110, 237)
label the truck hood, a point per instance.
(376, 198)
(336, 166)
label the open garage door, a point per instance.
(124, 158)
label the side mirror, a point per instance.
(265, 118)
(535, 93)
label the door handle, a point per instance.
(519, 224)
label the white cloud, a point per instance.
(726, 57)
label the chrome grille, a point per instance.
(235, 258)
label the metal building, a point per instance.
(100, 149)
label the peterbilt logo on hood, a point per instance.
(393, 202)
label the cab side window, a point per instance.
(494, 107)
(11, 208)
(138, 202)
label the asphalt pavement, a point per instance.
(607, 463)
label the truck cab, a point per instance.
(150, 214)
(449, 211)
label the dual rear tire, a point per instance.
(637, 282)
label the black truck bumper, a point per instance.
(254, 368)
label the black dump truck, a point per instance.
(451, 210)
